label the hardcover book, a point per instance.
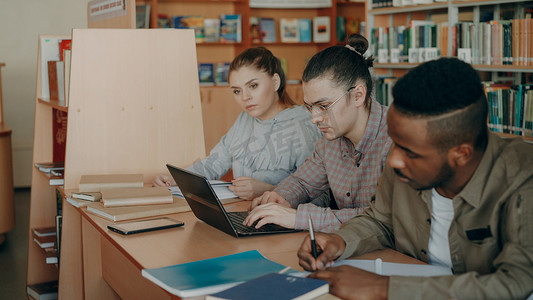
(47, 167)
(267, 30)
(221, 73)
(321, 30)
(206, 74)
(45, 241)
(142, 14)
(135, 212)
(137, 196)
(88, 196)
(289, 30)
(230, 28)
(211, 30)
(305, 30)
(274, 286)
(44, 231)
(43, 291)
(95, 183)
(211, 275)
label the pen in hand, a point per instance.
(312, 235)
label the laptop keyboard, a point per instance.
(238, 217)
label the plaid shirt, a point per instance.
(351, 172)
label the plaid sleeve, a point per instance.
(324, 218)
(309, 181)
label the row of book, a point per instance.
(55, 56)
(227, 28)
(291, 30)
(510, 108)
(383, 88)
(213, 73)
(419, 42)
(490, 43)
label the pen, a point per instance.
(312, 234)
(379, 266)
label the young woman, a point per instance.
(349, 160)
(269, 139)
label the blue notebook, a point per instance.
(211, 275)
(275, 286)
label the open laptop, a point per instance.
(207, 207)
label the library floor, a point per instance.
(14, 251)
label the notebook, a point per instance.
(207, 207)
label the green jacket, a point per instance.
(491, 235)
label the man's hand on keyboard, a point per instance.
(271, 213)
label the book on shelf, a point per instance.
(211, 30)
(305, 30)
(63, 46)
(341, 28)
(45, 241)
(267, 30)
(55, 179)
(274, 286)
(230, 28)
(49, 51)
(136, 196)
(59, 133)
(135, 212)
(56, 81)
(211, 275)
(59, 223)
(163, 21)
(88, 196)
(66, 72)
(289, 30)
(43, 291)
(221, 73)
(196, 23)
(179, 22)
(206, 74)
(49, 166)
(51, 256)
(255, 36)
(95, 183)
(142, 14)
(44, 231)
(321, 29)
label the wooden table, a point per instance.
(112, 263)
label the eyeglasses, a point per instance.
(323, 108)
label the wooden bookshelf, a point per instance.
(452, 12)
(7, 207)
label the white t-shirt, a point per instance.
(441, 219)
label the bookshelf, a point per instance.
(122, 107)
(495, 64)
(219, 111)
(7, 208)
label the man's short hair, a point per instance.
(449, 94)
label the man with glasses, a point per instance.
(453, 194)
(350, 157)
